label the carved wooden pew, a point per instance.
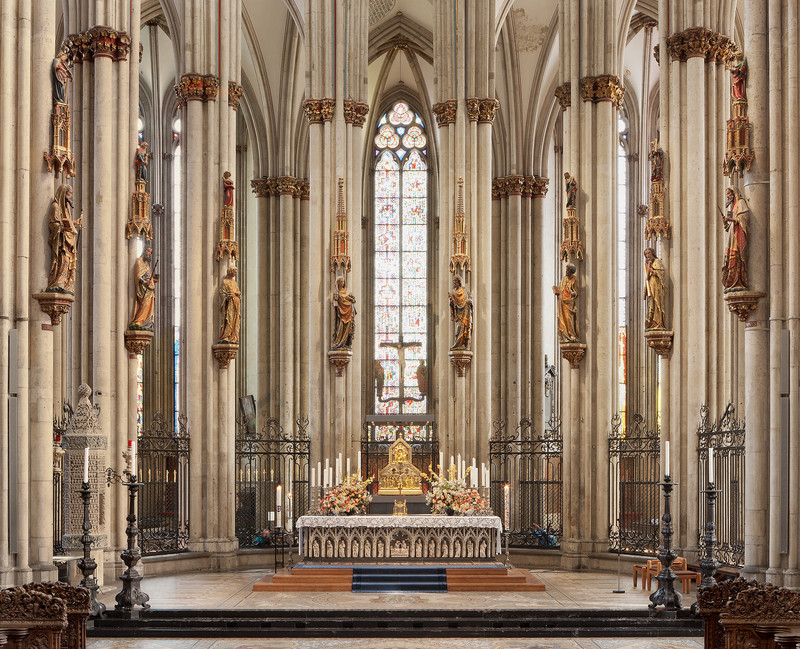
(31, 620)
(712, 602)
(79, 607)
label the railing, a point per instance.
(531, 464)
(634, 455)
(163, 469)
(272, 480)
(726, 436)
(378, 436)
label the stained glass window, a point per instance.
(400, 256)
(622, 270)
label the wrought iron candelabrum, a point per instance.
(87, 565)
(131, 594)
(709, 563)
(666, 595)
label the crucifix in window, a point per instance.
(401, 356)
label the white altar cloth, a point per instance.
(420, 521)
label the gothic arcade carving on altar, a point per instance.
(400, 476)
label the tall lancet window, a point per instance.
(400, 277)
(622, 270)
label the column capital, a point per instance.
(196, 87)
(319, 110)
(701, 42)
(304, 189)
(564, 95)
(286, 185)
(355, 112)
(262, 187)
(445, 112)
(515, 184)
(99, 41)
(499, 189)
(473, 108)
(235, 92)
(605, 87)
(540, 184)
(487, 110)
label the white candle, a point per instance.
(133, 457)
(86, 464)
(291, 479)
(348, 466)
(339, 469)
(358, 456)
(711, 464)
(278, 503)
(290, 513)
(441, 461)
(666, 458)
(319, 473)
(505, 505)
(313, 475)
(483, 474)
(474, 474)
(452, 461)
(460, 474)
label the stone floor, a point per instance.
(569, 590)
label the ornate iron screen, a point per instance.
(163, 469)
(634, 475)
(266, 460)
(531, 464)
(378, 437)
(726, 437)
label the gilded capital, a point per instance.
(445, 112)
(355, 112)
(605, 87)
(99, 41)
(473, 108)
(701, 42)
(564, 95)
(235, 92)
(488, 109)
(515, 183)
(286, 185)
(303, 187)
(499, 188)
(261, 187)
(319, 110)
(540, 184)
(196, 87)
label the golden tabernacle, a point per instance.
(400, 476)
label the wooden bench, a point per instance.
(31, 619)
(79, 606)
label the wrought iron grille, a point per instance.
(726, 436)
(60, 425)
(378, 437)
(265, 460)
(531, 464)
(635, 474)
(163, 469)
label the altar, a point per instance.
(400, 537)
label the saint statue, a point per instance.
(422, 378)
(344, 315)
(231, 307)
(654, 291)
(380, 379)
(567, 295)
(657, 159)
(739, 73)
(145, 298)
(142, 158)
(63, 241)
(461, 314)
(61, 74)
(227, 189)
(735, 218)
(571, 187)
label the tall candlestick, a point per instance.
(711, 464)
(505, 505)
(278, 503)
(86, 464)
(666, 458)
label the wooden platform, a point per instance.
(324, 579)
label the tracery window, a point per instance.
(622, 270)
(400, 278)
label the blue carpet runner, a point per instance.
(399, 579)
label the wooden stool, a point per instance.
(638, 569)
(687, 577)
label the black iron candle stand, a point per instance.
(709, 563)
(666, 595)
(87, 565)
(131, 594)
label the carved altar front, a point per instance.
(399, 538)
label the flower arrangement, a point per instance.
(449, 495)
(350, 497)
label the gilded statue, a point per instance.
(567, 295)
(63, 241)
(571, 188)
(144, 300)
(61, 75)
(735, 220)
(461, 314)
(344, 316)
(231, 307)
(654, 291)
